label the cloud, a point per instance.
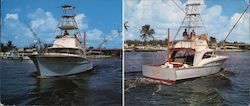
(152, 12)
(163, 14)
(214, 21)
(11, 16)
(16, 31)
(44, 24)
(115, 40)
(43, 20)
(116, 33)
(95, 37)
(81, 21)
(241, 31)
(94, 34)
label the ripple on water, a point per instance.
(198, 91)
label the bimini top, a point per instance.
(197, 45)
(66, 42)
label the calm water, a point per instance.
(99, 86)
(230, 89)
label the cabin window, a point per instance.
(189, 57)
(178, 54)
(69, 51)
(207, 55)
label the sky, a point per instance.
(218, 16)
(98, 18)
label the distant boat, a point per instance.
(66, 56)
(187, 58)
(231, 49)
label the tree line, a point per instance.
(5, 47)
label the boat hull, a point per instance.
(48, 66)
(174, 74)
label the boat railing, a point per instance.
(62, 54)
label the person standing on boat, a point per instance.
(185, 34)
(66, 33)
(192, 35)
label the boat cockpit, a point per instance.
(182, 56)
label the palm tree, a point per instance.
(146, 33)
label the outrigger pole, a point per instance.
(223, 42)
(237, 22)
(168, 54)
(84, 41)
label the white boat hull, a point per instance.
(48, 66)
(173, 74)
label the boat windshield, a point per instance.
(183, 56)
(65, 50)
(207, 55)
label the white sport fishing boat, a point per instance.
(66, 56)
(187, 58)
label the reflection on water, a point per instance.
(99, 86)
(231, 88)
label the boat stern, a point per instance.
(159, 72)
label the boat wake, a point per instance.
(131, 83)
(134, 82)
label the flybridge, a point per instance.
(196, 45)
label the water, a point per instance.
(99, 86)
(231, 88)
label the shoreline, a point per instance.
(165, 50)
